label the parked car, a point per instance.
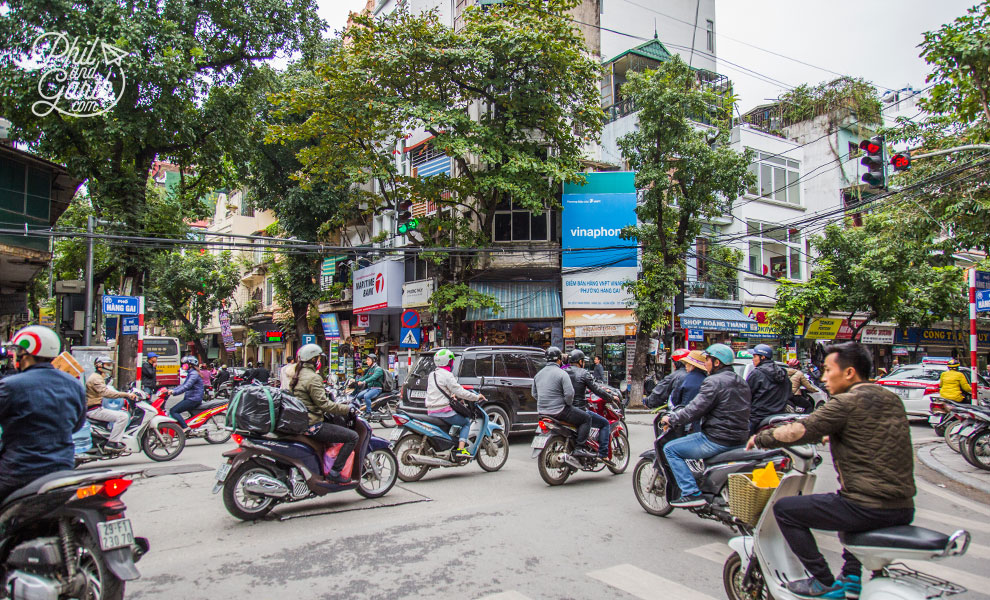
(504, 374)
(915, 384)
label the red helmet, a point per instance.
(794, 363)
(679, 354)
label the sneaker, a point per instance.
(812, 588)
(462, 452)
(852, 584)
(583, 453)
(692, 501)
(608, 461)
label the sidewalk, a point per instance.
(940, 458)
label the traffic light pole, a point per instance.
(952, 150)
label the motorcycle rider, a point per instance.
(723, 401)
(769, 386)
(373, 381)
(149, 374)
(554, 395)
(870, 443)
(40, 408)
(193, 389)
(307, 386)
(583, 380)
(661, 392)
(800, 383)
(441, 386)
(223, 375)
(952, 384)
(683, 394)
(100, 403)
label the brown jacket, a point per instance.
(798, 380)
(97, 389)
(870, 442)
(309, 389)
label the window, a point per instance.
(246, 209)
(776, 178)
(515, 224)
(269, 292)
(711, 36)
(512, 365)
(774, 251)
(479, 365)
(853, 150)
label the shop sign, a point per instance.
(590, 331)
(876, 335)
(823, 329)
(601, 288)
(331, 328)
(718, 324)
(378, 288)
(272, 337)
(982, 300)
(593, 215)
(937, 337)
(361, 325)
(696, 335)
(764, 330)
(903, 350)
(417, 293)
(847, 328)
(225, 332)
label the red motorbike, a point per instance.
(208, 422)
(554, 444)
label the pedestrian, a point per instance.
(206, 374)
(598, 371)
(149, 374)
(286, 373)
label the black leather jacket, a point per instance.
(661, 392)
(723, 402)
(770, 389)
(583, 380)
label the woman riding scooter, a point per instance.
(441, 388)
(193, 389)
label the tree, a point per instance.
(188, 287)
(688, 174)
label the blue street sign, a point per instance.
(983, 280)
(410, 337)
(696, 335)
(982, 300)
(308, 338)
(410, 319)
(129, 326)
(120, 305)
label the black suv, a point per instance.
(504, 374)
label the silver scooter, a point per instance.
(879, 550)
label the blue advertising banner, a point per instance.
(937, 337)
(593, 215)
(331, 329)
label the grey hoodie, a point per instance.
(552, 389)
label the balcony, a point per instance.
(728, 290)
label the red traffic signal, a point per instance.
(901, 162)
(870, 146)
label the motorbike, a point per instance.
(423, 442)
(382, 407)
(974, 435)
(264, 471)
(65, 535)
(149, 430)
(208, 422)
(554, 445)
(761, 562)
(655, 486)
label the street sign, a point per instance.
(696, 335)
(410, 337)
(126, 305)
(410, 319)
(129, 326)
(982, 300)
(983, 280)
(308, 338)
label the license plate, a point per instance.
(903, 393)
(396, 434)
(965, 430)
(418, 394)
(540, 441)
(115, 534)
(934, 419)
(222, 472)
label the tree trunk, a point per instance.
(300, 313)
(639, 367)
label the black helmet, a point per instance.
(554, 354)
(190, 360)
(576, 357)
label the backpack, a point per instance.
(388, 381)
(261, 410)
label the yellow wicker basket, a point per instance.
(746, 500)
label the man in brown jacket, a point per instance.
(96, 390)
(870, 441)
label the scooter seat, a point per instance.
(741, 455)
(907, 537)
(781, 418)
(33, 487)
(434, 421)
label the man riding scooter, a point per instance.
(870, 443)
(554, 395)
(583, 380)
(100, 401)
(952, 384)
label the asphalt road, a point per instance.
(463, 533)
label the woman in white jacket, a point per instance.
(440, 388)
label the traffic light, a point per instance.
(403, 214)
(901, 161)
(876, 175)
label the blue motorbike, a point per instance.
(423, 442)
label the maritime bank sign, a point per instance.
(596, 261)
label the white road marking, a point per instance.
(716, 552)
(645, 585)
(510, 595)
(951, 497)
(954, 521)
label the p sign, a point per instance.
(308, 338)
(982, 300)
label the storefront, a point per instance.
(377, 303)
(702, 326)
(605, 333)
(271, 345)
(918, 343)
(531, 315)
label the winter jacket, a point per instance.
(598, 372)
(661, 393)
(770, 388)
(192, 387)
(870, 442)
(40, 408)
(442, 379)
(952, 384)
(97, 389)
(552, 389)
(374, 377)
(688, 388)
(310, 391)
(261, 374)
(285, 376)
(798, 381)
(149, 376)
(723, 401)
(223, 375)
(582, 380)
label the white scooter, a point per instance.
(879, 551)
(156, 434)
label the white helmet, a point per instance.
(38, 341)
(308, 352)
(443, 357)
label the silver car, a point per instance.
(916, 384)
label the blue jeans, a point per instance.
(604, 431)
(464, 422)
(368, 395)
(696, 445)
(183, 406)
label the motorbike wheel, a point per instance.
(620, 454)
(650, 487)
(951, 435)
(245, 505)
(732, 579)
(493, 452)
(101, 583)
(376, 486)
(553, 469)
(978, 450)
(408, 471)
(497, 416)
(175, 441)
(215, 432)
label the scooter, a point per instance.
(264, 471)
(148, 430)
(208, 422)
(655, 486)
(382, 406)
(761, 563)
(422, 443)
(554, 445)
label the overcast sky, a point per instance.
(835, 35)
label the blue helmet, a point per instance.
(721, 353)
(763, 350)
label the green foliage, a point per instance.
(797, 300)
(188, 287)
(721, 276)
(845, 93)
(451, 297)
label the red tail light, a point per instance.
(543, 427)
(116, 487)
(936, 406)
(237, 438)
(468, 387)
(399, 420)
(784, 464)
(932, 389)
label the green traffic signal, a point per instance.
(408, 226)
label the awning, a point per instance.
(519, 301)
(717, 319)
(602, 316)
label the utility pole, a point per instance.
(88, 320)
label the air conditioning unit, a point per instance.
(345, 295)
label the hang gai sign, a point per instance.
(120, 305)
